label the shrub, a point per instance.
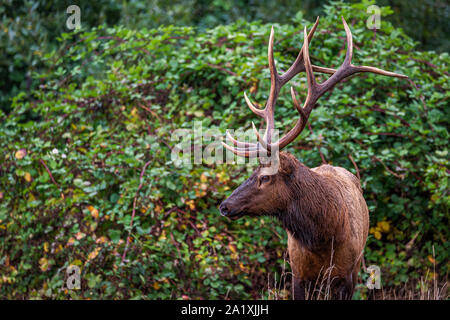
(88, 152)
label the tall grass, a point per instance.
(429, 287)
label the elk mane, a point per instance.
(316, 208)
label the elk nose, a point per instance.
(224, 210)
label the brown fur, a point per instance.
(324, 214)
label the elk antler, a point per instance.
(315, 91)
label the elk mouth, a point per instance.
(231, 210)
(235, 215)
(228, 212)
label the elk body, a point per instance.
(322, 209)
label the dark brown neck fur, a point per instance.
(312, 214)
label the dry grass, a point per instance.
(418, 290)
(427, 288)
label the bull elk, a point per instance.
(322, 209)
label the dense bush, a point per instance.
(89, 150)
(30, 27)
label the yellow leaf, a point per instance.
(58, 248)
(163, 236)
(232, 248)
(27, 176)
(43, 264)
(102, 239)
(70, 242)
(156, 285)
(383, 226)
(79, 235)
(191, 204)
(377, 235)
(94, 253)
(431, 259)
(46, 246)
(94, 212)
(21, 154)
(77, 262)
(254, 86)
(203, 178)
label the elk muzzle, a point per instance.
(227, 209)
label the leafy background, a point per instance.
(86, 132)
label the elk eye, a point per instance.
(264, 179)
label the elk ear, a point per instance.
(287, 164)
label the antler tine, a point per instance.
(274, 91)
(273, 70)
(297, 103)
(243, 152)
(255, 110)
(315, 91)
(312, 84)
(238, 143)
(261, 140)
(307, 106)
(347, 68)
(298, 65)
(276, 82)
(356, 69)
(267, 113)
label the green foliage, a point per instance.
(90, 148)
(30, 27)
(424, 20)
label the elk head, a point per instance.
(268, 191)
